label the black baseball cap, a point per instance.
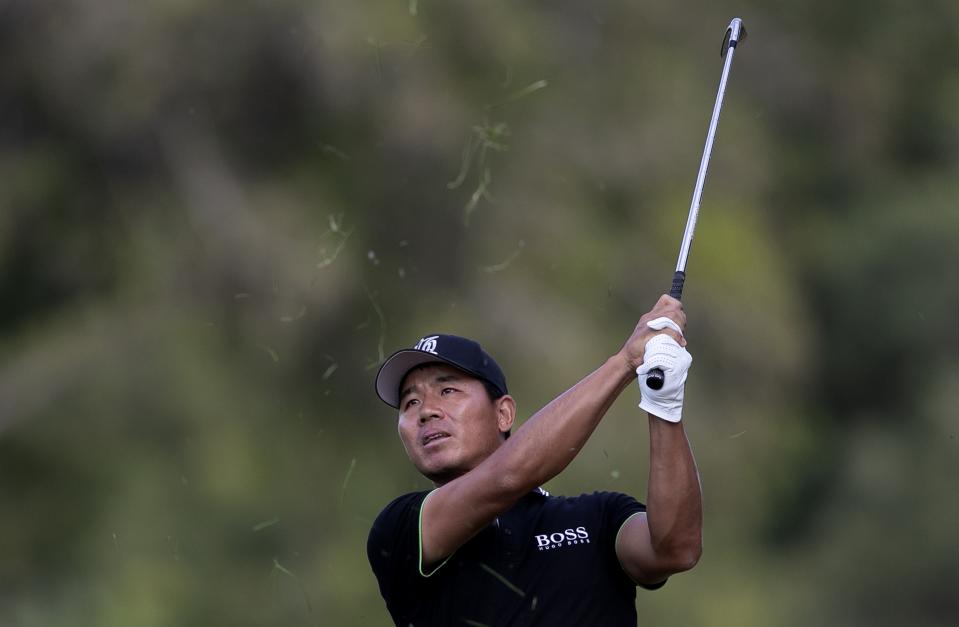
(461, 352)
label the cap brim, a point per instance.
(391, 373)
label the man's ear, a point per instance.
(505, 413)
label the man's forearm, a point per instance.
(674, 499)
(551, 438)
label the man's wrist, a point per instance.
(623, 366)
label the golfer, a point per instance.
(489, 546)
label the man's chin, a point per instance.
(440, 474)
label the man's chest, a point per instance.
(541, 544)
(541, 563)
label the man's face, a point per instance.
(447, 422)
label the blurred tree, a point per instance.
(217, 218)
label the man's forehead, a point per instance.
(431, 372)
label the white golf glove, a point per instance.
(665, 353)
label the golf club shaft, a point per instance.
(734, 33)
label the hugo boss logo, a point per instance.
(567, 537)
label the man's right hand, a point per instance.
(634, 349)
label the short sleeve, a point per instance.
(617, 509)
(393, 548)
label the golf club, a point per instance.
(735, 33)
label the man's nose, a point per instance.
(429, 411)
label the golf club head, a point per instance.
(735, 33)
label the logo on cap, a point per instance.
(427, 344)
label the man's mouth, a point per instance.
(433, 437)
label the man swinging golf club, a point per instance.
(488, 546)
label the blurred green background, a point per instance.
(217, 217)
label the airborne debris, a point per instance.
(273, 354)
(279, 567)
(335, 236)
(481, 191)
(299, 314)
(485, 137)
(329, 149)
(379, 347)
(521, 93)
(506, 263)
(346, 480)
(503, 580)
(260, 526)
(330, 370)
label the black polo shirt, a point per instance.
(548, 561)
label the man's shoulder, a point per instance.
(405, 499)
(396, 523)
(597, 499)
(610, 509)
(400, 507)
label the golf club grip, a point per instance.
(679, 279)
(655, 377)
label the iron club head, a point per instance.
(735, 34)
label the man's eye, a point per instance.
(448, 390)
(411, 402)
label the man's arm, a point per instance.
(538, 451)
(667, 539)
